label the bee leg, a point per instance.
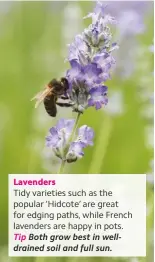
(64, 104)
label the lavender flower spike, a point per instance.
(91, 62)
(59, 140)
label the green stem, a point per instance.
(63, 162)
(61, 167)
(74, 129)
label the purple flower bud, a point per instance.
(100, 8)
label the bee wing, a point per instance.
(41, 96)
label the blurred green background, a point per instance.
(33, 39)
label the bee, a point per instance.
(53, 90)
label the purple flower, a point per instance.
(59, 135)
(95, 36)
(91, 61)
(91, 35)
(105, 61)
(92, 74)
(75, 151)
(65, 124)
(98, 34)
(58, 140)
(81, 79)
(79, 51)
(53, 139)
(100, 8)
(86, 135)
(84, 138)
(75, 73)
(98, 97)
(99, 13)
(88, 74)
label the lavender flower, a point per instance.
(91, 61)
(75, 151)
(58, 140)
(79, 50)
(84, 138)
(86, 135)
(98, 97)
(59, 135)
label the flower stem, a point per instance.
(74, 129)
(69, 141)
(61, 167)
